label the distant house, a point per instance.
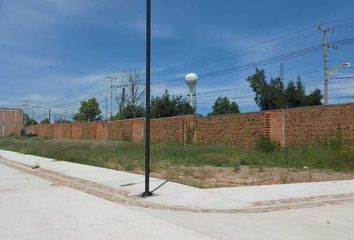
(11, 121)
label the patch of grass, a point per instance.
(332, 154)
(215, 159)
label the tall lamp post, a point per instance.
(334, 70)
(147, 192)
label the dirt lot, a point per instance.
(207, 177)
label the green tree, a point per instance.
(28, 120)
(224, 106)
(89, 111)
(314, 99)
(45, 120)
(274, 95)
(169, 106)
(60, 120)
(295, 94)
(130, 112)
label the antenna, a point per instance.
(191, 80)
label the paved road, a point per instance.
(35, 207)
(32, 208)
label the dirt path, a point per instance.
(123, 197)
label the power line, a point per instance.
(275, 42)
(283, 57)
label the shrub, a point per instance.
(244, 162)
(32, 135)
(23, 132)
(266, 145)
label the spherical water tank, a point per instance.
(191, 80)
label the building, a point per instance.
(11, 121)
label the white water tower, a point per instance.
(191, 80)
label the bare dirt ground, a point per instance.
(210, 177)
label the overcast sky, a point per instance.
(58, 51)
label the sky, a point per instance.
(55, 53)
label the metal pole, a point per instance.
(147, 101)
(325, 61)
(111, 78)
(111, 98)
(106, 107)
(325, 66)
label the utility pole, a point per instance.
(65, 112)
(106, 107)
(281, 72)
(25, 105)
(111, 78)
(325, 60)
(32, 116)
(49, 115)
(121, 99)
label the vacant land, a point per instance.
(201, 165)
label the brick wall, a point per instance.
(10, 122)
(75, 130)
(287, 127)
(88, 131)
(171, 129)
(57, 131)
(101, 130)
(274, 127)
(137, 130)
(120, 130)
(45, 130)
(237, 130)
(306, 125)
(66, 131)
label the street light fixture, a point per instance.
(336, 68)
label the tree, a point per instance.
(169, 106)
(128, 113)
(134, 99)
(224, 106)
(28, 120)
(67, 121)
(130, 100)
(274, 95)
(121, 101)
(45, 120)
(295, 93)
(89, 111)
(314, 99)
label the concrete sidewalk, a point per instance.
(219, 198)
